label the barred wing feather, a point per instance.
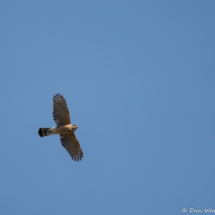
(61, 111)
(71, 144)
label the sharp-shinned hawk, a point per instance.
(64, 128)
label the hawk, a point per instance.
(64, 128)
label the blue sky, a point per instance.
(138, 78)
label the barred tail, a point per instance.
(42, 132)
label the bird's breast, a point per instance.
(64, 129)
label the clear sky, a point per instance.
(139, 80)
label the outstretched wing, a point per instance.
(61, 111)
(71, 144)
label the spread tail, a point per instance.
(42, 132)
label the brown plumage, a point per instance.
(64, 128)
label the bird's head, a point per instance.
(74, 127)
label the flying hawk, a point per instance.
(64, 128)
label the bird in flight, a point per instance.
(64, 128)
